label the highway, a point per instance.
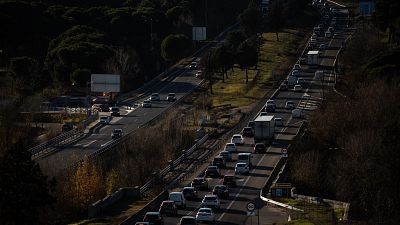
(130, 119)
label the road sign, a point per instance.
(258, 203)
(250, 206)
(284, 152)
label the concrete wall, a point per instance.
(100, 206)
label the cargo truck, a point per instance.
(264, 129)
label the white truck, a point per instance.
(264, 129)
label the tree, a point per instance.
(276, 18)
(80, 77)
(25, 191)
(25, 75)
(250, 21)
(235, 38)
(175, 46)
(387, 16)
(223, 58)
(247, 55)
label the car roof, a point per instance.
(168, 201)
(214, 196)
(187, 188)
(153, 213)
(245, 153)
(241, 163)
(212, 167)
(175, 193)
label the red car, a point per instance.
(229, 180)
(221, 191)
(212, 171)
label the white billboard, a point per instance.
(105, 83)
(199, 33)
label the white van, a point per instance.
(178, 198)
(245, 158)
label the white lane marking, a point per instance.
(107, 143)
(89, 143)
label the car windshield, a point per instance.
(230, 145)
(242, 157)
(210, 198)
(151, 216)
(199, 180)
(188, 220)
(221, 188)
(237, 137)
(204, 210)
(240, 165)
(103, 117)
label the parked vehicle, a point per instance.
(155, 97)
(229, 180)
(260, 148)
(221, 191)
(242, 168)
(245, 158)
(187, 220)
(270, 106)
(219, 161)
(168, 208)
(146, 104)
(200, 183)
(264, 129)
(212, 171)
(226, 155)
(237, 139)
(117, 133)
(171, 97)
(154, 218)
(178, 198)
(105, 119)
(205, 215)
(248, 132)
(115, 111)
(211, 201)
(230, 147)
(190, 193)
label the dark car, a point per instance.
(200, 183)
(115, 111)
(229, 180)
(104, 108)
(212, 171)
(187, 220)
(117, 133)
(283, 87)
(251, 124)
(168, 208)
(221, 191)
(67, 127)
(190, 193)
(219, 161)
(153, 218)
(260, 148)
(248, 132)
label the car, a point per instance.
(199, 74)
(270, 106)
(146, 104)
(283, 87)
(115, 111)
(263, 113)
(142, 223)
(260, 148)
(297, 113)
(251, 124)
(67, 127)
(230, 147)
(211, 201)
(153, 218)
(193, 66)
(322, 47)
(212, 171)
(117, 133)
(205, 215)
(296, 67)
(331, 29)
(226, 155)
(190, 193)
(200, 183)
(229, 180)
(155, 97)
(221, 191)
(237, 139)
(187, 220)
(168, 208)
(297, 88)
(328, 34)
(219, 161)
(105, 119)
(295, 73)
(242, 168)
(301, 81)
(248, 132)
(171, 97)
(289, 105)
(178, 198)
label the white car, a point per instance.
(289, 105)
(205, 215)
(297, 88)
(242, 168)
(146, 104)
(230, 147)
(211, 201)
(237, 139)
(155, 97)
(105, 119)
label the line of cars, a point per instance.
(171, 97)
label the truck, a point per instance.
(292, 80)
(264, 129)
